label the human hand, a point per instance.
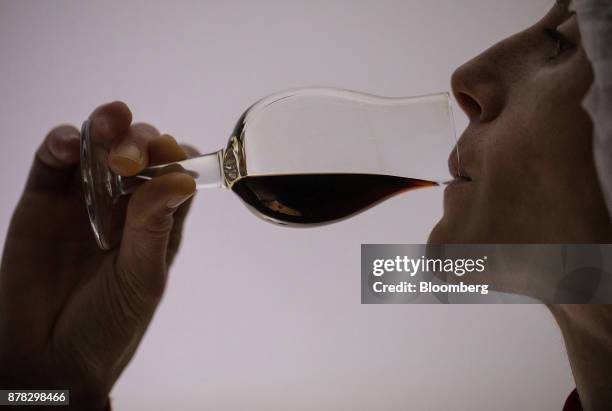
(72, 315)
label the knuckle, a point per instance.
(118, 108)
(144, 130)
(111, 119)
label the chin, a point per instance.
(439, 234)
(452, 231)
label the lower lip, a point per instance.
(457, 182)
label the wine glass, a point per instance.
(301, 157)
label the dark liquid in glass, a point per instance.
(313, 199)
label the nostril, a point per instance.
(469, 105)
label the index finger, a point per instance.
(129, 154)
(109, 122)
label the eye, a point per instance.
(562, 44)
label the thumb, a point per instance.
(54, 164)
(147, 228)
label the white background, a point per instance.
(256, 316)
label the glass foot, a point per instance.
(101, 189)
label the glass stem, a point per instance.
(205, 169)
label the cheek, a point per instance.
(543, 135)
(509, 189)
(560, 130)
(536, 158)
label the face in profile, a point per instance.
(526, 154)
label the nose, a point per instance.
(478, 87)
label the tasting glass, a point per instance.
(299, 131)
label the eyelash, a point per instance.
(563, 44)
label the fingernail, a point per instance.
(177, 201)
(129, 151)
(62, 147)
